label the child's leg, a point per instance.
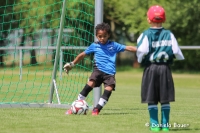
(83, 94)
(165, 111)
(153, 113)
(104, 98)
(86, 90)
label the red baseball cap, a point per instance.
(156, 14)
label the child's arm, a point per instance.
(79, 58)
(68, 66)
(176, 50)
(131, 48)
(142, 47)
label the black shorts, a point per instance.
(100, 77)
(157, 84)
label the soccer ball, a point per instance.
(79, 107)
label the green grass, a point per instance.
(124, 112)
(36, 82)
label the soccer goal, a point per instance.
(37, 37)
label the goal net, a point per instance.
(29, 33)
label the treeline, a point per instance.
(182, 18)
(127, 19)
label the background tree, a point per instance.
(182, 19)
(36, 15)
(80, 17)
(7, 22)
(127, 18)
(39, 14)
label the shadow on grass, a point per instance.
(125, 109)
(121, 111)
(184, 129)
(115, 113)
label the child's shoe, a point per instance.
(165, 129)
(155, 129)
(69, 112)
(95, 112)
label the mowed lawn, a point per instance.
(124, 112)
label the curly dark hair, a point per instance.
(103, 26)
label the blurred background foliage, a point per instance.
(127, 19)
(182, 18)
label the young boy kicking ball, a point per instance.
(104, 65)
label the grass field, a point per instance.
(124, 112)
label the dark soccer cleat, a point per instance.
(95, 112)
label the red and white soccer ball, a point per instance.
(79, 107)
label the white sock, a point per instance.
(102, 102)
(81, 97)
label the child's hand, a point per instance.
(68, 66)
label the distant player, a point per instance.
(157, 47)
(104, 65)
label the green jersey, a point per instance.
(157, 45)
